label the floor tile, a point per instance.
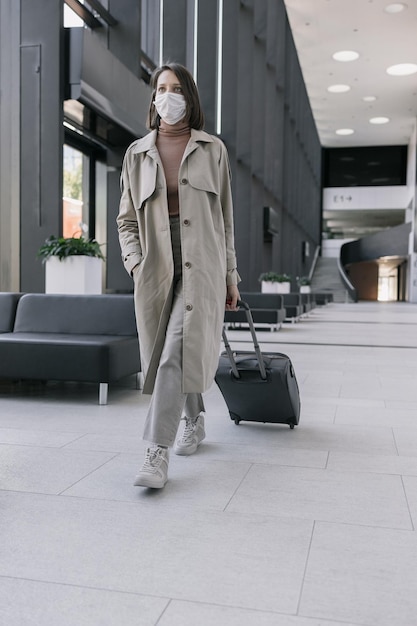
(399, 403)
(109, 442)
(349, 497)
(43, 438)
(68, 415)
(155, 548)
(202, 484)
(312, 435)
(45, 470)
(406, 440)
(379, 464)
(269, 453)
(32, 603)
(361, 575)
(410, 486)
(375, 417)
(190, 614)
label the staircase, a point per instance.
(326, 277)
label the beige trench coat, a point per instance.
(208, 254)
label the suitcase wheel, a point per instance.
(292, 425)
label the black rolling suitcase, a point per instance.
(258, 387)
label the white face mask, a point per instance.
(171, 107)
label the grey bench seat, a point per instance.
(267, 309)
(8, 306)
(72, 338)
(322, 297)
(293, 306)
(308, 302)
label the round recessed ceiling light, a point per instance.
(379, 120)
(402, 69)
(369, 98)
(346, 55)
(395, 7)
(338, 88)
(344, 131)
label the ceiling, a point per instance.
(322, 27)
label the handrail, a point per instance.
(103, 13)
(345, 279)
(147, 66)
(314, 263)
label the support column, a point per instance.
(412, 184)
(175, 32)
(207, 60)
(10, 140)
(41, 133)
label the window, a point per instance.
(367, 166)
(70, 18)
(75, 192)
(84, 187)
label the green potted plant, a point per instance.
(72, 265)
(271, 282)
(304, 283)
(63, 247)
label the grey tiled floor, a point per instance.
(264, 526)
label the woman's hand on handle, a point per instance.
(232, 297)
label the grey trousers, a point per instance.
(168, 401)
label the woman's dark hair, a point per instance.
(194, 113)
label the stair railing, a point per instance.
(314, 263)
(343, 275)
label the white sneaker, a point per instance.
(154, 471)
(192, 436)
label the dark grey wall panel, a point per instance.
(229, 73)
(124, 40)
(30, 127)
(41, 133)
(175, 32)
(117, 278)
(150, 21)
(102, 82)
(207, 60)
(10, 140)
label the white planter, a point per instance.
(305, 289)
(275, 287)
(268, 287)
(75, 274)
(283, 287)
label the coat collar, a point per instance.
(147, 143)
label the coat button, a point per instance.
(187, 265)
(184, 181)
(189, 307)
(186, 222)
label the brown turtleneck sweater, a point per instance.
(171, 141)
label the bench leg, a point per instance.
(102, 394)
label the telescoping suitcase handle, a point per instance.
(262, 370)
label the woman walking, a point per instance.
(176, 235)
